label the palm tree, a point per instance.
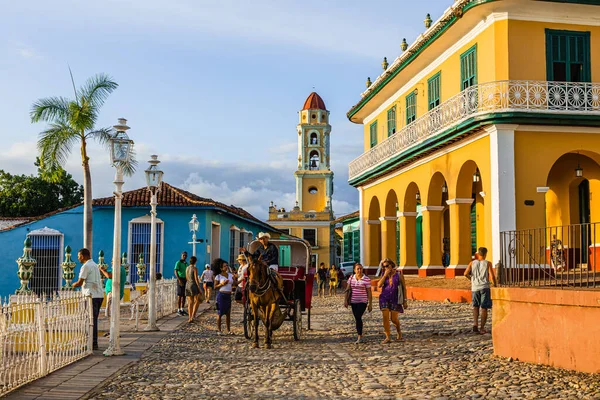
(72, 122)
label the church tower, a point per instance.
(312, 214)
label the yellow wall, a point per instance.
(313, 202)
(527, 42)
(533, 169)
(492, 64)
(322, 240)
(457, 168)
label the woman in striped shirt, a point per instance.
(361, 297)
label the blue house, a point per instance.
(223, 229)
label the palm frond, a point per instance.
(102, 136)
(55, 144)
(50, 109)
(129, 168)
(96, 89)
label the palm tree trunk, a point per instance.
(87, 198)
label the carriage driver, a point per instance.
(269, 253)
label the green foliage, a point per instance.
(29, 196)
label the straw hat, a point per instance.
(264, 234)
(241, 257)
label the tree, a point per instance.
(72, 122)
(30, 196)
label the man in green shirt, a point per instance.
(107, 273)
(180, 267)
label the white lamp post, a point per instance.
(194, 225)
(120, 154)
(153, 180)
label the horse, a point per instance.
(264, 298)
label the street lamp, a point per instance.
(194, 225)
(120, 155)
(153, 181)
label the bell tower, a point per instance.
(310, 218)
(314, 178)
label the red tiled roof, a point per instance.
(314, 102)
(170, 196)
(355, 214)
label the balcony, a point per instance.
(523, 97)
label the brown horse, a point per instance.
(264, 299)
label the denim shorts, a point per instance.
(482, 298)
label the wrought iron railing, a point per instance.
(499, 96)
(559, 256)
(41, 335)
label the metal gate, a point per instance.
(140, 244)
(46, 245)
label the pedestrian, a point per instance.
(91, 285)
(192, 288)
(390, 302)
(321, 279)
(333, 280)
(241, 274)
(224, 282)
(208, 282)
(180, 269)
(479, 272)
(360, 297)
(107, 273)
(340, 276)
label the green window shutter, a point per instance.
(356, 246)
(373, 134)
(411, 108)
(347, 245)
(468, 68)
(433, 90)
(568, 56)
(391, 116)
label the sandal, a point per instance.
(386, 341)
(482, 331)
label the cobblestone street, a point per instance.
(439, 358)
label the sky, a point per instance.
(212, 87)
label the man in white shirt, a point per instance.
(91, 285)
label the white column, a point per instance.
(152, 284)
(299, 191)
(502, 162)
(114, 346)
(361, 222)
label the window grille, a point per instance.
(139, 233)
(46, 249)
(234, 244)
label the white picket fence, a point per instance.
(39, 336)
(166, 301)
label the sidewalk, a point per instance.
(76, 380)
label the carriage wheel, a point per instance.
(297, 320)
(248, 322)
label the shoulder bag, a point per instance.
(348, 292)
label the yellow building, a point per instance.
(488, 122)
(311, 217)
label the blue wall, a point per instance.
(176, 236)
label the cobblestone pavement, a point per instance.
(439, 358)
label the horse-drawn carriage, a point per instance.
(298, 276)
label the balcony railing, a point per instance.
(499, 96)
(559, 257)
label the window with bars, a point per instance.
(234, 244)
(373, 134)
(391, 121)
(568, 56)
(139, 239)
(46, 250)
(310, 235)
(468, 68)
(411, 108)
(433, 90)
